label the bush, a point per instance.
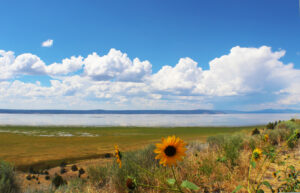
(63, 170)
(28, 177)
(271, 125)
(32, 171)
(255, 131)
(108, 155)
(81, 171)
(8, 182)
(229, 147)
(63, 164)
(74, 168)
(58, 181)
(47, 177)
(216, 141)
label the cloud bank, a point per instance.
(115, 81)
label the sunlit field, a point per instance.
(48, 146)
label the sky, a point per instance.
(142, 54)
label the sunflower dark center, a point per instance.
(170, 151)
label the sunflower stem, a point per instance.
(178, 186)
(249, 175)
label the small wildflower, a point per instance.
(257, 154)
(118, 155)
(170, 150)
(130, 184)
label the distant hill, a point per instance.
(18, 111)
(101, 111)
(262, 111)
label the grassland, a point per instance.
(225, 162)
(46, 146)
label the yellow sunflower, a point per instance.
(257, 154)
(118, 155)
(170, 150)
(266, 137)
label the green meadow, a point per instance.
(48, 146)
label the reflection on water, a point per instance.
(142, 119)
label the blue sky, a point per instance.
(260, 35)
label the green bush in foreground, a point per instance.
(8, 182)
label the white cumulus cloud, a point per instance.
(245, 70)
(47, 43)
(67, 66)
(181, 78)
(116, 65)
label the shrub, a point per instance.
(63, 170)
(81, 171)
(31, 170)
(8, 182)
(271, 125)
(58, 181)
(74, 168)
(28, 177)
(63, 164)
(231, 149)
(108, 155)
(216, 141)
(255, 131)
(47, 177)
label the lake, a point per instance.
(166, 120)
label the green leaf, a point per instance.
(222, 159)
(292, 168)
(268, 185)
(253, 164)
(260, 191)
(237, 188)
(171, 181)
(189, 185)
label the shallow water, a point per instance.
(143, 119)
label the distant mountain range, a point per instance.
(196, 111)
